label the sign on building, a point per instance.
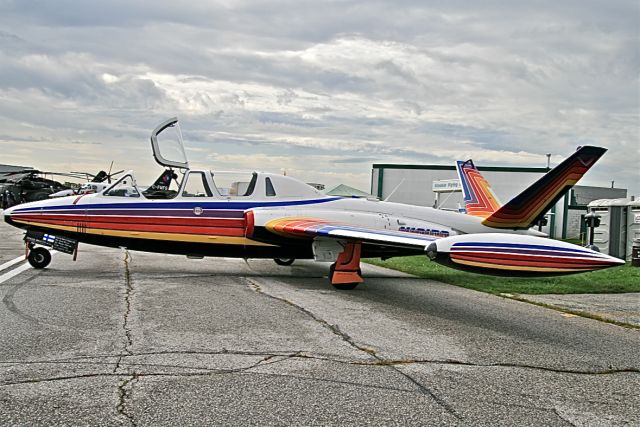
(446, 186)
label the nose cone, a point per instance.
(18, 212)
(7, 213)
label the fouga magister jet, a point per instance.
(264, 215)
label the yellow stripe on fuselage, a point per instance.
(175, 237)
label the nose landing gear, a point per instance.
(39, 257)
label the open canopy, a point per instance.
(167, 145)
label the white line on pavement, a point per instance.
(10, 263)
(12, 273)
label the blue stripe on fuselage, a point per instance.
(240, 205)
(517, 246)
(327, 229)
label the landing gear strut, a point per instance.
(345, 273)
(39, 257)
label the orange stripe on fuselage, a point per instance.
(207, 231)
(175, 237)
(521, 268)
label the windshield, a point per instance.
(124, 187)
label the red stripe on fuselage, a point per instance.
(531, 261)
(118, 219)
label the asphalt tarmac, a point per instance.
(126, 338)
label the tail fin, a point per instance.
(164, 181)
(479, 198)
(528, 207)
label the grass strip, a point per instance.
(620, 279)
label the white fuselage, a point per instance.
(390, 216)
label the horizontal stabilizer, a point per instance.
(526, 209)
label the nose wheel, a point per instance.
(39, 257)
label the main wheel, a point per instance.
(39, 257)
(345, 286)
(285, 261)
(342, 286)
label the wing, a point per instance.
(309, 228)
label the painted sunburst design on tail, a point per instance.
(526, 209)
(479, 198)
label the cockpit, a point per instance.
(218, 185)
(168, 150)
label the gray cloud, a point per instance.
(380, 81)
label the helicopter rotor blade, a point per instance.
(109, 173)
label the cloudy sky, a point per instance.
(321, 89)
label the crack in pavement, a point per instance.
(345, 337)
(129, 371)
(125, 388)
(301, 354)
(242, 371)
(129, 377)
(128, 284)
(559, 415)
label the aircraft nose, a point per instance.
(6, 214)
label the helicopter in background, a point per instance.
(30, 185)
(27, 185)
(98, 182)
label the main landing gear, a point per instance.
(345, 274)
(284, 261)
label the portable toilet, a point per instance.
(619, 225)
(633, 225)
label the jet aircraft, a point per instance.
(265, 215)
